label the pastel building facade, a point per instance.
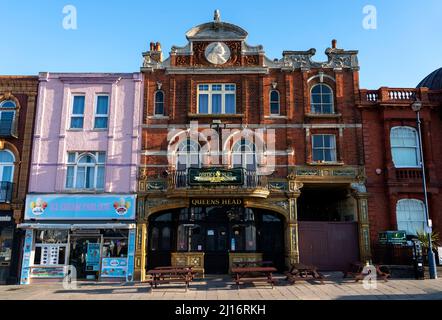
(81, 203)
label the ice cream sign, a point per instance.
(85, 207)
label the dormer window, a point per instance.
(217, 99)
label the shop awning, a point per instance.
(40, 226)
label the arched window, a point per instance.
(8, 110)
(410, 215)
(188, 155)
(7, 160)
(244, 155)
(275, 108)
(159, 103)
(322, 99)
(85, 170)
(405, 147)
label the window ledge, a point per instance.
(324, 164)
(216, 116)
(275, 117)
(74, 130)
(323, 115)
(85, 191)
(158, 117)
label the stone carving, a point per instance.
(217, 53)
(251, 60)
(278, 186)
(182, 61)
(359, 187)
(337, 59)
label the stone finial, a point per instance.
(217, 16)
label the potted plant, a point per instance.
(424, 237)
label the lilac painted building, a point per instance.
(81, 205)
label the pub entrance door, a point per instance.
(216, 257)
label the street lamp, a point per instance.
(417, 106)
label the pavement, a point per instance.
(222, 288)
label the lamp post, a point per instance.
(417, 106)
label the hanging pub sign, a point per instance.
(393, 237)
(215, 176)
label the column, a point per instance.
(140, 248)
(361, 197)
(291, 225)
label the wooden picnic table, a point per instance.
(169, 275)
(243, 264)
(359, 272)
(252, 274)
(302, 272)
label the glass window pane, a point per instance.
(159, 108)
(70, 177)
(216, 87)
(100, 123)
(78, 105)
(230, 104)
(230, 87)
(81, 182)
(100, 177)
(6, 157)
(102, 105)
(87, 159)
(159, 96)
(7, 173)
(71, 157)
(203, 87)
(8, 104)
(76, 122)
(318, 155)
(318, 141)
(203, 103)
(101, 157)
(90, 176)
(274, 108)
(216, 104)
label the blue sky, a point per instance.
(111, 34)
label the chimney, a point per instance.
(334, 43)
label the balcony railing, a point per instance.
(6, 191)
(390, 95)
(8, 128)
(409, 174)
(179, 180)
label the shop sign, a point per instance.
(55, 272)
(93, 257)
(215, 176)
(393, 237)
(216, 202)
(114, 268)
(27, 249)
(80, 207)
(5, 218)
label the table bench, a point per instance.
(301, 272)
(170, 275)
(356, 270)
(253, 274)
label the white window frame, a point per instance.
(335, 151)
(4, 164)
(416, 147)
(75, 165)
(75, 115)
(96, 115)
(250, 151)
(279, 103)
(223, 92)
(188, 149)
(50, 245)
(14, 110)
(321, 104)
(155, 104)
(410, 204)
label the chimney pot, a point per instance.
(334, 43)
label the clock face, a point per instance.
(217, 53)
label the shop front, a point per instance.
(212, 234)
(91, 237)
(8, 244)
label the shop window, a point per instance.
(322, 99)
(77, 112)
(159, 103)
(274, 103)
(217, 98)
(188, 155)
(411, 216)
(8, 111)
(115, 247)
(50, 247)
(101, 112)
(324, 148)
(85, 171)
(6, 238)
(405, 147)
(190, 238)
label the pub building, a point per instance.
(81, 204)
(18, 96)
(284, 182)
